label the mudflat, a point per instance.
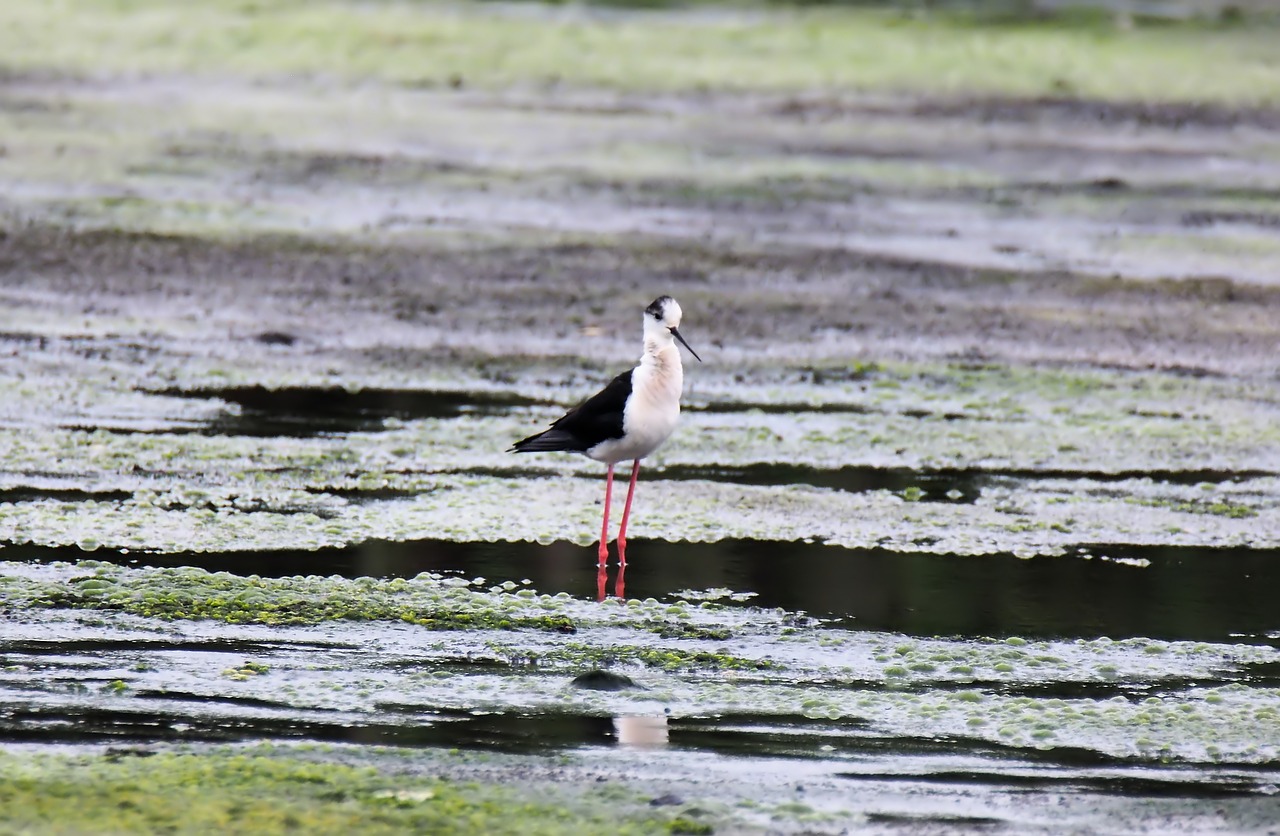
(972, 520)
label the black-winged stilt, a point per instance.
(629, 418)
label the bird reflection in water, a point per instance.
(641, 731)
(619, 584)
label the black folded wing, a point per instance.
(592, 422)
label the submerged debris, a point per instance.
(598, 680)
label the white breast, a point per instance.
(652, 411)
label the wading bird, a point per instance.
(629, 418)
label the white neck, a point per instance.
(660, 375)
(657, 345)
(660, 365)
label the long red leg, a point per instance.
(626, 512)
(602, 581)
(604, 527)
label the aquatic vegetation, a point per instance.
(805, 50)
(574, 655)
(433, 601)
(1129, 699)
(268, 789)
(187, 593)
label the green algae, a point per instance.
(1224, 509)
(429, 601)
(576, 655)
(1045, 518)
(191, 492)
(1012, 692)
(804, 49)
(266, 790)
(188, 593)
(248, 669)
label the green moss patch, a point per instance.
(575, 655)
(443, 45)
(262, 790)
(428, 601)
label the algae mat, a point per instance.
(973, 520)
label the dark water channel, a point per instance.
(303, 411)
(1189, 593)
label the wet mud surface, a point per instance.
(972, 522)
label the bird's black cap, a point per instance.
(657, 307)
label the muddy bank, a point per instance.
(428, 301)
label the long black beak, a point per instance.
(676, 334)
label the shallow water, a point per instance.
(1117, 591)
(301, 412)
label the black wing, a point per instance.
(595, 420)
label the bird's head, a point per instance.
(662, 323)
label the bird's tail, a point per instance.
(547, 441)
